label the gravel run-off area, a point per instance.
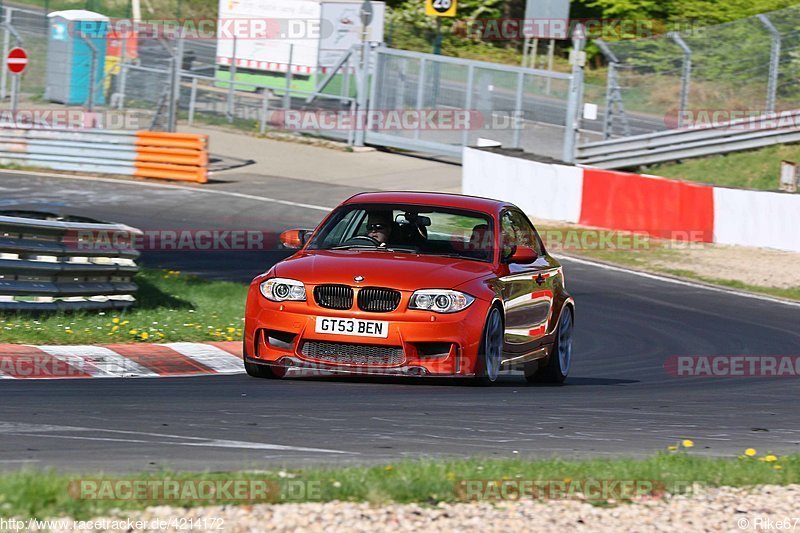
(707, 509)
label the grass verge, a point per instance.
(171, 307)
(50, 494)
(754, 169)
(642, 252)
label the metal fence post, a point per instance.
(518, 110)
(4, 71)
(192, 100)
(573, 101)
(92, 70)
(123, 72)
(287, 97)
(468, 103)
(231, 82)
(176, 86)
(420, 91)
(264, 110)
(363, 87)
(774, 62)
(685, 75)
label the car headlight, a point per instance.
(282, 289)
(440, 300)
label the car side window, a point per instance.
(508, 232)
(344, 228)
(527, 235)
(517, 231)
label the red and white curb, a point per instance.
(120, 360)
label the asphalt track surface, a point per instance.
(619, 399)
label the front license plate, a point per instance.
(352, 326)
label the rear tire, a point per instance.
(490, 354)
(261, 371)
(558, 364)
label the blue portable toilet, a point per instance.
(69, 56)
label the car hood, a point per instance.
(401, 271)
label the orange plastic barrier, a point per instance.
(656, 206)
(172, 156)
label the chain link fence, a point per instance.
(723, 72)
(154, 82)
(517, 107)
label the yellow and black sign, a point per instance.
(440, 8)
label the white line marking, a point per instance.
(209, 355)
(665, 279)
(98, 361)
(45, 431)
(169, 186)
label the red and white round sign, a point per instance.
(17, 60)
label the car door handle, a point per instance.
(540, 279)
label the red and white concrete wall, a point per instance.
(624, 201)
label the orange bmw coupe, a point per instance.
(415, 284)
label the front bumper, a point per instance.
(430, 344)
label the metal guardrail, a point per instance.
(672, 145)
(50, 263)
(144, 154)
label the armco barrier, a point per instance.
(632, 202)
(49, 264)
(145, 154)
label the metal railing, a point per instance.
(671, 145)
(50, 263)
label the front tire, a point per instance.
(261, 371)
(490, 355)
(558, 364)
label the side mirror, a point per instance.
(523, 255)
(295, 238)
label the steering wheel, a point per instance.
(362, 239)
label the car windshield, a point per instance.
(426, 230)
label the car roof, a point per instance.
(458, 201)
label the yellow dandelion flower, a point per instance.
(115, 320)
(389, 467)
(132, 332)
(672, 448)
(144, 335)
(228, 338)
(114, 328)
(124, 322)
(770, 458)
(687, 443)
(750, 452)
(230, 330)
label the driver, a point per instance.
(379, 225)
